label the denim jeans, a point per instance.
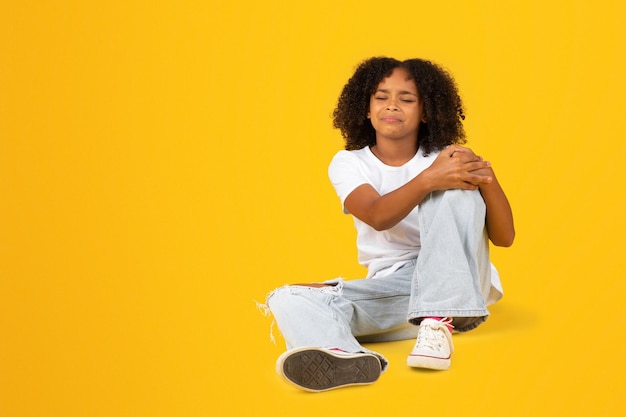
(449, 278)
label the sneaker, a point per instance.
(433, 347)
(317, 369)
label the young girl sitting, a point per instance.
(424, 208)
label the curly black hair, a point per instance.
(443, 107)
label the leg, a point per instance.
(452, 277)
(321, 325)
(338, 314)
(308, 316)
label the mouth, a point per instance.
(390, 119)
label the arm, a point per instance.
(454, 167)
(499, 219)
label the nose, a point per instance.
(392, 107)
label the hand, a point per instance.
(458, 167)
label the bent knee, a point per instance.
(471, 196)
(465, 201)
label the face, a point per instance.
(396, 108)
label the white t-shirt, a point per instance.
(392, 247)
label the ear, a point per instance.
(369, 116)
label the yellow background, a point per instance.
(163, 164)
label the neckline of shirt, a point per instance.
(390, 167)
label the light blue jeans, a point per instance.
(449, 278)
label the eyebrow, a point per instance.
(384, 90)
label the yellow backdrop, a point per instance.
(163, 165)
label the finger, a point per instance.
(468, 186)
(477, 179)
(450, 150)
(462, 149)
(476, 165)
(471, 154)
(459, 148)
(482, 179)
(467, 157)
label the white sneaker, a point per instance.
(317, 369)
(433, 347)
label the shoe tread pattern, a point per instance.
(318, 371)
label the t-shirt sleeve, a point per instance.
(345, 175)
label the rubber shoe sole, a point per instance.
(428, 362)
(316, 369)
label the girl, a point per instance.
(424, 208)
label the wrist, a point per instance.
(427, 182)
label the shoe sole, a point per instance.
(315, 370)
(418, 361)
